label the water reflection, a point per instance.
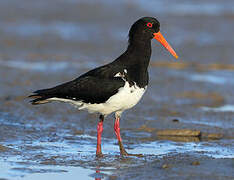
(98, 174)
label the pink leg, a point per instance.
(117, 129)
(117, 133)
(99, 136)
(121, 147)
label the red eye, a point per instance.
(149, 25)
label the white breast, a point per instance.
(126, 98)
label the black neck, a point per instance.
(136, 60)
(139, 51)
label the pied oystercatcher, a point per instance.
(114, 87)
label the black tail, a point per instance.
(40, 96)
(61, 91)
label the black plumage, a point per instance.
(99, 84)
(114, 87)
(83, 89)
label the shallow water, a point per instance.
(77, 159)
(46, 43)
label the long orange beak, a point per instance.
(159, 37)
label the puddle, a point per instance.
(65, 30)
(209, 78)
(187, 8)
(225, 108)
(213, 124)
(35, 66)
(166, 147)
(215, 77)
(218, 76)
(68, 31)
(16, 172)
(45, 66)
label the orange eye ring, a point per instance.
(149, 25)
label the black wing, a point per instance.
(106, 71)
(88, 89)
(95, 86)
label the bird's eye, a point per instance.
(149, 25)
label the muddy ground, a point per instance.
(43, 43)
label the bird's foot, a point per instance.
(99, 155)
(123, 152)
(128, 154)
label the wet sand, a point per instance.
(45, 43)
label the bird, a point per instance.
(113, 87)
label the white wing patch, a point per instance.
(122, 75)
(118, 75)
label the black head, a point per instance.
(144, 29)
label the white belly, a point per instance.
(126, 98)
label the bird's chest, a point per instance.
(134, 74)
(127, 97)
